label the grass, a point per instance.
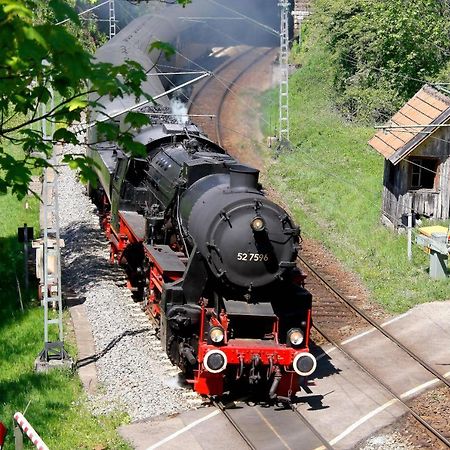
(58, 408)
(332, 181)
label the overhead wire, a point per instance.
(392, 72)
(248, 18)
(124, 10)
(314, 160)
(406, 130)
(223, 82)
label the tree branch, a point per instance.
(46, 115)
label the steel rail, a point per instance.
(193, 98)
(325, 443)
(228, 90)
(416, 416)
(222, 407)
(362, 314)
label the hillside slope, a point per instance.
(332, 181)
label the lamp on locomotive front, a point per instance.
(215, 361)
(258, 224)
(295, 336)
(216, 335)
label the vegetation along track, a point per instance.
(212, 93)
(332, 313)
(268, 427)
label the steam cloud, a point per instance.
(179, 110)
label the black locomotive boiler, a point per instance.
(211, 258)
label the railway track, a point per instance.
(336, 317)
(264, 427)
(261, 427)
(212, 93)
(337, 309)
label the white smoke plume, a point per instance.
(179, 110)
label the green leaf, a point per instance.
(77, 103)
(63, 11)
(164, 47)
(16, 8)
(107, 130)
(64, 135)
(32, 34)
(130, 146)
(137, 120)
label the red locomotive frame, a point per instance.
(239, 352)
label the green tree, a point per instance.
(384, 50)
(38, 56)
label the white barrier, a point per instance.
(29, 431)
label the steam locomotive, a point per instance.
(210, 257)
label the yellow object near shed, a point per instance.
(435, 229)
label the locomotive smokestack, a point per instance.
(243, 178)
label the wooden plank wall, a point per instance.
(434, 203)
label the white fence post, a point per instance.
(410, 224)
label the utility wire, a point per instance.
(393, 72)
(313, 160)
(221, 81)
(84, 12)
(250, 19)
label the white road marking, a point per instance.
(423, 386)
(354, 338)
(350, 428)
(381, 408)
(363, 419)
(364, 333)
(183, 430)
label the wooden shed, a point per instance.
(417, 163)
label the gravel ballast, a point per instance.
(134, 373)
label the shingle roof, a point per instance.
(428, 107)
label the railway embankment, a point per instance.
(342, 380)
(332, 181)
(134, 375)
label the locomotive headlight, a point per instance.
(216, 334)
(295, 336)
(257, 224)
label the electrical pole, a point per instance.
(112, 19)
(283, 134)
(48, 254)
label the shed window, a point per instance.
(423, 173)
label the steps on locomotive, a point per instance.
(165, 258)
(135, 222)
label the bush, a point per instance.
(383, 51)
